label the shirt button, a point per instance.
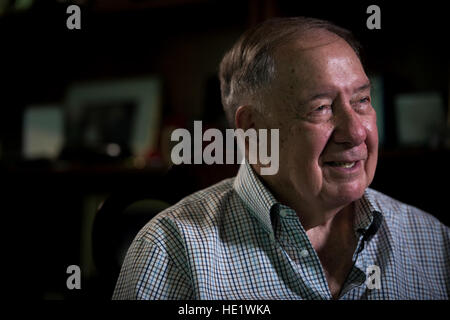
(283, 213)
(304, 253)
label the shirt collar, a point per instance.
(260, 201)
(256, 197)
(368, 215)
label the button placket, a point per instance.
(284, 213)
(294, 237)
(295, 243)
(304, 253)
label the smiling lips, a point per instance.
(342, 164)
(346, 162)
(346, 165)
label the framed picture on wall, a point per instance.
(420, 118)
(113, 117)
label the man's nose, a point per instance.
(349, 128)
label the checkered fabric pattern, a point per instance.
(233, 240)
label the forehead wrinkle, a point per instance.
(295, 55)
(303, 47)
(312, 39)
(292, 57)
(304, 41)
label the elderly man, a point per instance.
(313, 230)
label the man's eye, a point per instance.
(322, 109)
(364, 100)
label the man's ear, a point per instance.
(244, 117)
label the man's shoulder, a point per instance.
(203, 203)
(402, 215)
(213, 193)
(199, 210)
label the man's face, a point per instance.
(328, 135)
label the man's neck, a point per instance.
(335, 243)
(335, 231)
(330, 231)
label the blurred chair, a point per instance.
(117, 222)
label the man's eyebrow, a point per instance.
(324, 94)
(367, 85)
(329, 93)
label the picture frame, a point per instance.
(114, 112)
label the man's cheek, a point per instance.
(370, 126)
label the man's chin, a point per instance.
(345, 194)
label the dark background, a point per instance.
(46, 209)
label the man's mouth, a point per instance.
(340, 164)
